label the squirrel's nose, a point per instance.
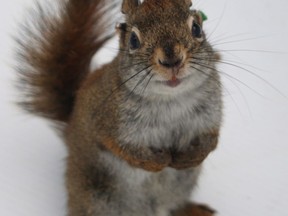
(171, 62)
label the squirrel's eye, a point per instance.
(134, 41)
(196, 30)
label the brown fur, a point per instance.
(56, 71)
(192, 209)
(197, 152)
(61, 63)
(140, 157)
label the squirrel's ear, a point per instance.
(188, 2)
(128, 6)
(121, 29)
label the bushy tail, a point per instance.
(55, 52)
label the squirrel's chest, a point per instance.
(161, 124)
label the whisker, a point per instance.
(144, 88)
(255, 75)
(133, 65)
(235, 41)
(228, 75)
(224, 88)
(138, 83)
(124, 82)
(148, 82)
(230, 61)
(242, 50)
(224, 37)
(218, 23)
(208, 75)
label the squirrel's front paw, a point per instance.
(198, 149)
(150, 159)
(190, 157)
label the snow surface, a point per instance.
(246, 175)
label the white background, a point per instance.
(246, 175)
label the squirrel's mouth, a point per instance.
(173, 82)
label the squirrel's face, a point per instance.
(167, 52)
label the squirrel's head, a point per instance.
(165, 48)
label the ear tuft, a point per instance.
(128, 6)
(188, 2)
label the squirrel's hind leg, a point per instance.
(192, 209)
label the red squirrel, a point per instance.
(137, 129)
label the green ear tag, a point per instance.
(203, 16)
